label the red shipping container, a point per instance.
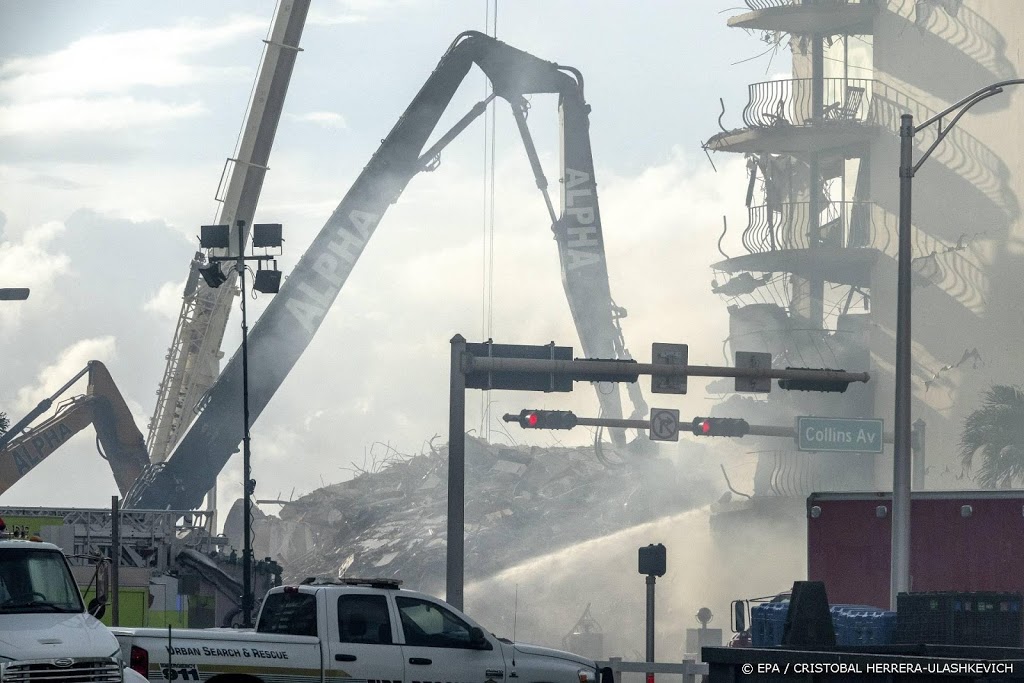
(959, 541)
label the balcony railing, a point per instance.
(788, 226)
(768, 4)
(790, 102)
(955, 268)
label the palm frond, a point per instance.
(995, 432)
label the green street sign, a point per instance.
(839, 435)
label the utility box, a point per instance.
(697, 638)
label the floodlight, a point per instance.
(267, 281)
(212, 273)
(266, 235)
(214, 237)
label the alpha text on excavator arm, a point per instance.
(287, 326)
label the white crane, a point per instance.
(193, 360)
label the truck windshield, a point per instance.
(36, 581)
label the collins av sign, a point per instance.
(842, 435)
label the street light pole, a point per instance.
(901, 477)
(247, 596)
(266, 281)
(900, 568)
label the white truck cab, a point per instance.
(46, 634)
(353, 629)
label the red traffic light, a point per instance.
(544, 419)
(720, 426)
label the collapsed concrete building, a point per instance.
(521, 502)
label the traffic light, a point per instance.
(651, 560)
(831, 385)
(547, 419)
(720, 426)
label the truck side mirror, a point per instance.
(606, 675)
(477, 639)
(739, 616)
(97, 608)
(101, 579)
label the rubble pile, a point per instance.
(521, 502)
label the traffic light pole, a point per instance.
(455, 561)
(464, 363)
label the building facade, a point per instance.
(817, 286)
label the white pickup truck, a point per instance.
(46, 634)
(350, 630)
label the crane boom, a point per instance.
(292, 318)
(193, 361)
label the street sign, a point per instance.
(839, 435)
(755, 360)
(669, 354)
(664, 424)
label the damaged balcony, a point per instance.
(793, 116)
(839, 247)
(824, 17)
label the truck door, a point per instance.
(439, 646)
(362, 641)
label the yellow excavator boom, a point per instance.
(120, 441)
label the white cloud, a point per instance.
(107, 113)
(356, 11)
(29, 263)
(328, 119)
(166, 303)
(71, 360)
(116, 62)
(319, 17)
(88, 85)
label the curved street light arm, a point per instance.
(944, 131)
(969, 100)
(901, 477)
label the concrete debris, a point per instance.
(521, 502)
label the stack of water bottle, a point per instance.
(854, 624)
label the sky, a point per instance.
(115, 121)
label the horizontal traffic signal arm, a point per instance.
(543, 419)
(599, 369)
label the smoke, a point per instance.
(704, 569)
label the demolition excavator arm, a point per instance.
(292, 318)
(119, 441)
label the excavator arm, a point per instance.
(120, 441)
(287, 326)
